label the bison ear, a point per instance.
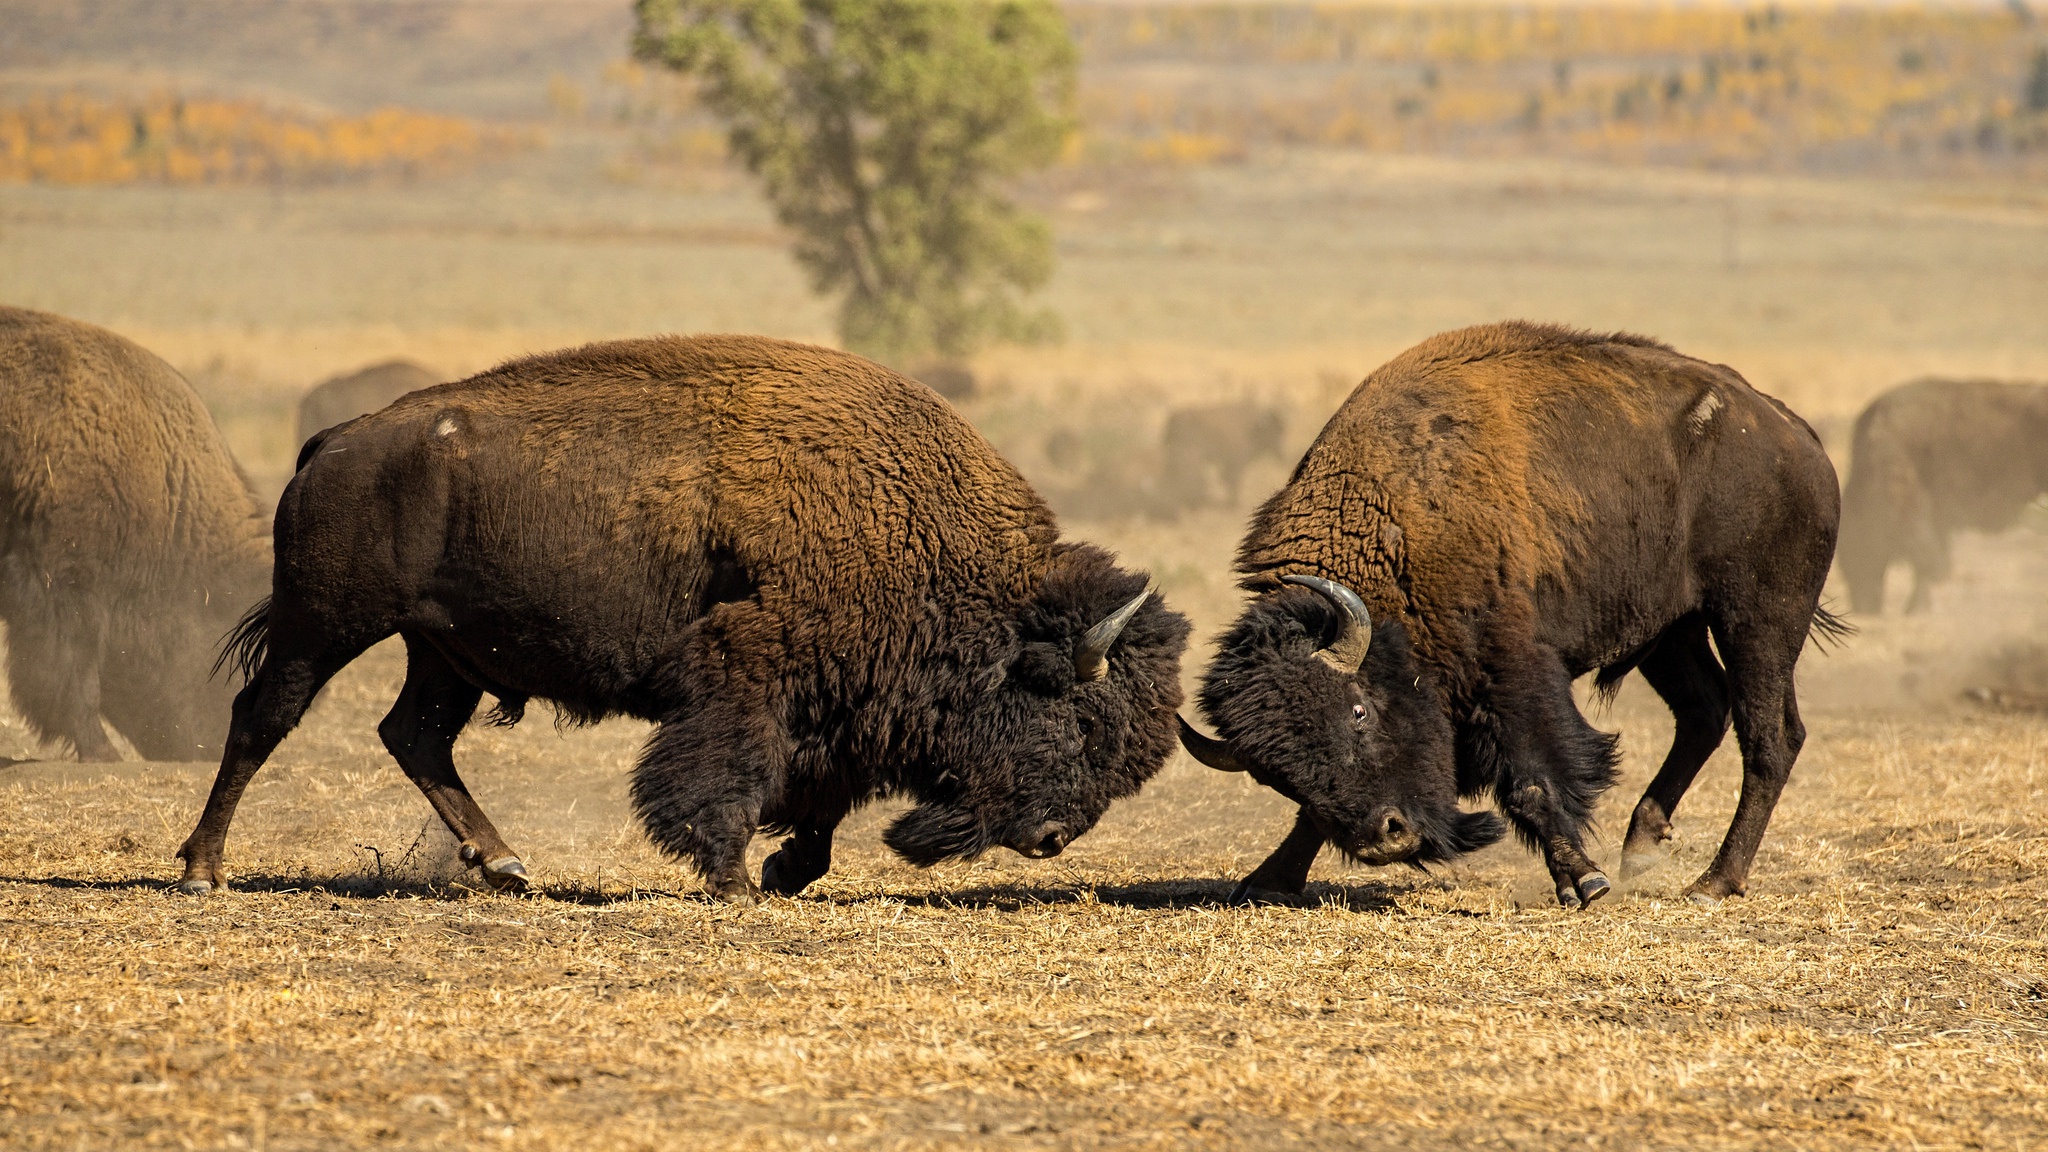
(1091, 655)
(1347, 652)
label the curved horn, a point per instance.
(1091, 655)
(1215, 753)
(1347, 651)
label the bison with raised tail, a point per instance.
(819, 581)
(1494, 513)
(129, 542)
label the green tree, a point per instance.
(882, 131)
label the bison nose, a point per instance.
(1397, 839)
(1050, 839)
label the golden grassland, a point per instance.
(1886, 983)
(166, 138)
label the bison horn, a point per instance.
(1215, 753)
(1091, 657)
(1347, 651)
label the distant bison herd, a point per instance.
(824, 588)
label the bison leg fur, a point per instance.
(420, 732)
(265, 712)
(53, 670)
(1285, 872)
(700, 788)
(800, 860)
(1551, 774)
(1768, 728)
(1683, 670)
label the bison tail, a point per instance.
(1829, 629)
(247, 643)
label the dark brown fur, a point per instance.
(1531, 504)
(1931, 458)
(359, 393)
(129, 542)
(818, 580)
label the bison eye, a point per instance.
(1358, 714)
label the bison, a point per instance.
(1207, 450)
(1929, 458)
(819, 582)
(129, 541)
(357, 393)
(1492, 514)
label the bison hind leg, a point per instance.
(53, 671)
(432, 709)
(1684, 672)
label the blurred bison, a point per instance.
(1929, 458)
(358, 393)
(1208, 449)
(131, 542)
(817, 579)
(1518, 505)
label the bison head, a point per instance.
(1316, 703)
(1075, 709)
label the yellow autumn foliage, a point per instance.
(1856, 87)
(80, 139)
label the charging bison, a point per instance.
(1492, 514)
(1930, 458)
(358, 393)
(820, 583)
(129, 542)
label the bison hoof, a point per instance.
(739, 892)
(1591, 887)
(780, 878)
(1567, 896)
(505, 874)
(1251, 890)
(192, 886)
(1703, 899)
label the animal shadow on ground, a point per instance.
(1149, 895)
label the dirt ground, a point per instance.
(1885, 983)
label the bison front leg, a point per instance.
(801, 860)
(699, 789)
(1285, 872)
(1549, 768)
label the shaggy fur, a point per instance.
(1526, 504)
(359, 393)
(1930, 458)
(128, 542)
(818, 580)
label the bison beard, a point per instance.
(820, 584)
(1524, 504)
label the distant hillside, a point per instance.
(486, 58)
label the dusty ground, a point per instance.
(1887, 983)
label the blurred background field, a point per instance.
(1262, 202)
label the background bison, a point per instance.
(131, 542)
(353, 394)
(1929, 458)
(1523, 504)
(818, 580)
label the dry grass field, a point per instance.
(1886, 983)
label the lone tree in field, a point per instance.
(881, 130)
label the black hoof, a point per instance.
(193, 887)
(779, 878)
(505, 874)
(1592, 886)
(739, 893)
(1568, 897)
